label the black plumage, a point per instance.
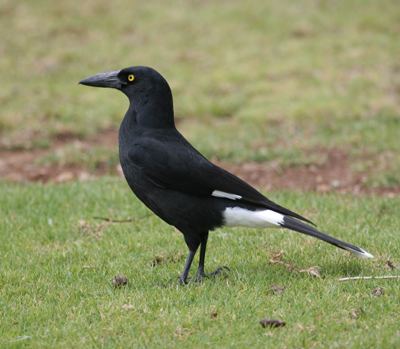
(179, 184)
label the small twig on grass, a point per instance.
(370, 277)
(111, 220)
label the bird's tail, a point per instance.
(301, 227)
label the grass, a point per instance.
(271, 79)
(58, 263)
(75, 154)
(262, 81)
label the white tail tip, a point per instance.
(362, 254)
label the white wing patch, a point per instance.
(238, 216)
(222, 194)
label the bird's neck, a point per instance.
(152, 111)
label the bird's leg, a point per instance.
(200, 271)
(188, 263)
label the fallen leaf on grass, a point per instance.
(277, 258)
(88, 267)
(95, 230)
(182, 332)
(356, 313)
(214, 314)
(378, 291)
(83, 226)
(276, 289)
(308, 328)
(119, 281)
(312, 271)
(272, 323)
(127, 306)
(161, 259)
(157, 260)
(390, 265)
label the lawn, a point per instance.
(58, 263)
(297, 97)
(274, 80)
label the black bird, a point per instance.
(178, 183)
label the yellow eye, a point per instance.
(131, 77)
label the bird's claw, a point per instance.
(182, 281)
(219, 271)
(201, 275)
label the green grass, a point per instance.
(75, 154)
(279, 81)
(57, 263)
(272, 79)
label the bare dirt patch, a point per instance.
(335, 174)
(21, 165)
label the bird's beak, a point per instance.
(108, 79)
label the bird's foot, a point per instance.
(220, 271)
(182, 281)
(201, 275)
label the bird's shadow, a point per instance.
(331, 268)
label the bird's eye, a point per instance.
(131, 77)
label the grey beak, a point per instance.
(108, 79)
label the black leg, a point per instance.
(200, 271)
(188, 263)
(192, 243)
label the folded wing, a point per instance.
(180, 167)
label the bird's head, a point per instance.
(132, 81)
(148, 92)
